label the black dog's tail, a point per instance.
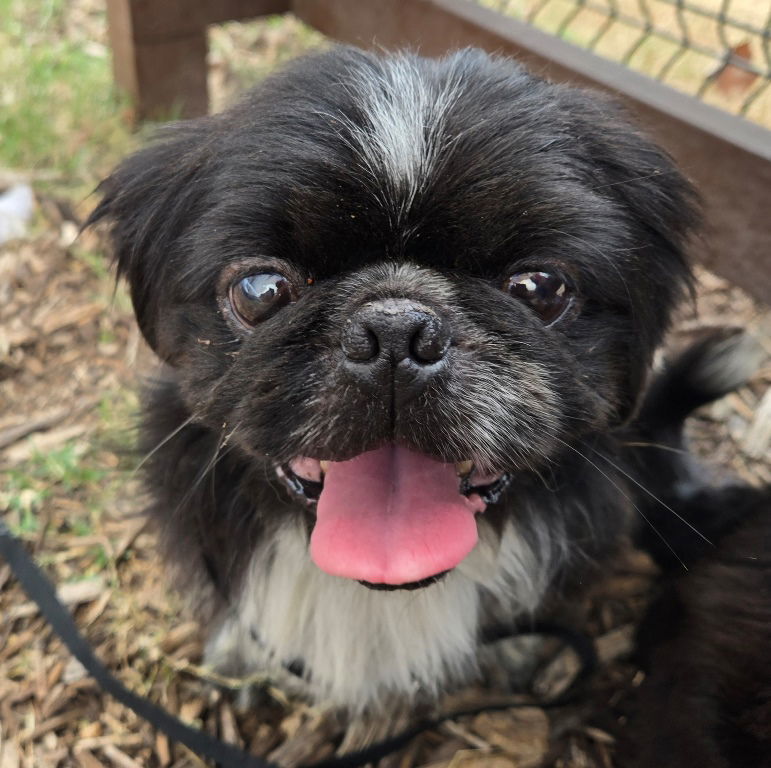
(710, 368)
(682, 507)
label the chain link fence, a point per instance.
(716, 50)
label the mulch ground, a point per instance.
(71, 359)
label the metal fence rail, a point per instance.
(717, 50)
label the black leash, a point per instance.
(41, 591)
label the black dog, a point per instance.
(704, 644)
(706, 699)
(404, 307)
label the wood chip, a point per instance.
(51, 321)
(72, 594)
(12, 434)
(15, 642)
(264, 739)
(600, 736)
(455, 729)
(74, 671)
(120, 739)
(55, 673)
(757, 441)
(179, 636)
(58, 697)
(10, 176)
(473, 758)
(310, 738)
(90, 730)
(737, 403)
(96, 609)
(118, 757)
(162, 749)
(133, 529)
(86, 759)
(228, 728)
(54, 723)
(622, 586)
(522, 734)
(557, 675)
(191, 710)
(10, 757)
(41, 678)
(43, 443)
(615, 644)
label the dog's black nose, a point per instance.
(395, 340)
(395, 330)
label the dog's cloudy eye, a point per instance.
(549, 295)
(256, 297)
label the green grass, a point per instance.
(59, 111)
(64, 471)
(118, 417)
(64, 467)
(71, 472)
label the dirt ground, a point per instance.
(71, 360)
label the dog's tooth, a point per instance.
(324, 466)
(464, 468)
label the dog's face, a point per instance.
(403, 285)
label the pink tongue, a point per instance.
(392, 516)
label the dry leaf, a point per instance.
(733, 80)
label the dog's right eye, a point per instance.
(255, 298)
(548, 294)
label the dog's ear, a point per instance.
(661, 213)
(149, 201)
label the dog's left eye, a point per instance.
(256, 297)
(548, 294)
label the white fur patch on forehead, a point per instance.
(403, 135)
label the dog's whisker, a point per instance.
(218, 455)
(659, 446)
(223, 443)
(163, 442)
(628, 498)
(651, 494)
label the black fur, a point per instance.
(704, 643)
(531, 176)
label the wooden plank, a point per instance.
(121, 34)
(172, 77)
(159, 49)
(728, 158)
(154, 21)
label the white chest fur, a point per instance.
(359, 645)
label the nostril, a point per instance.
(359, 343)
(430, 341)
(395, 330)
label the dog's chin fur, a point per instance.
(424, 640)
(366, 179)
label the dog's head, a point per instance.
(405, 283)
